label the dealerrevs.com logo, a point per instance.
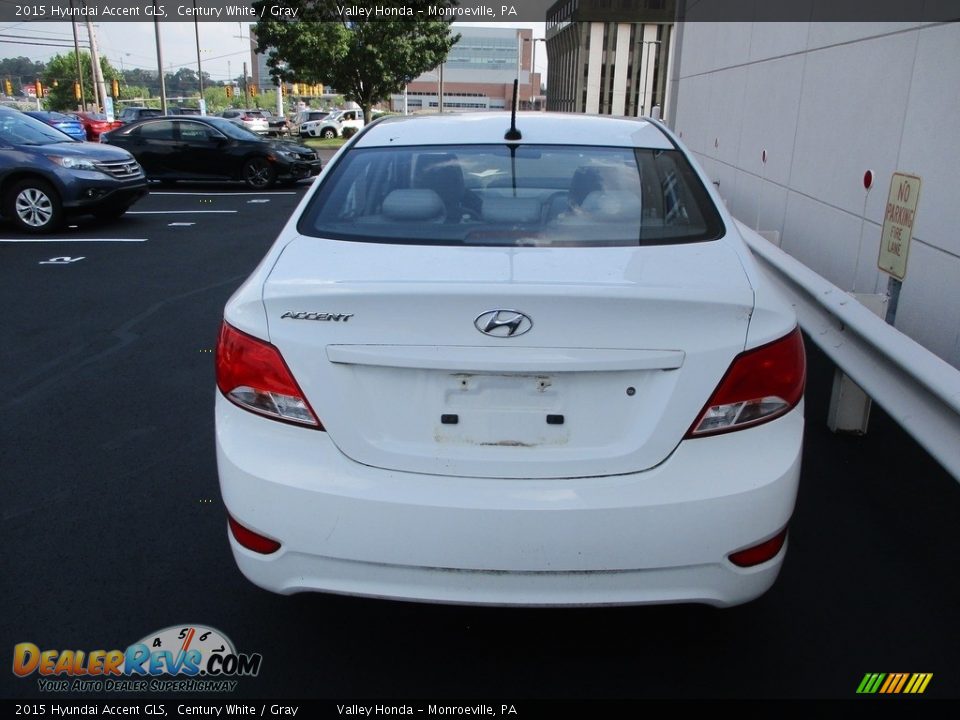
(180, 658)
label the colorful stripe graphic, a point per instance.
(894, 683)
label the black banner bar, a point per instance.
(485, 11)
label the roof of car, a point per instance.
(535, 127)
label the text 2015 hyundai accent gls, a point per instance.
(534, 370)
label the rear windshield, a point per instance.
(523, 195)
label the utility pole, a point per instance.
(163, 85)
(76, 50)
(196, 32)
(97, 71)
(246, 89)
(440, 96)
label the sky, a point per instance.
(224, 46)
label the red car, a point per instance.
(96, 123)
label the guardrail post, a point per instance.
(849, 405)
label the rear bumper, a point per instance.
(653, 537)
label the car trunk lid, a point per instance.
(624, 347)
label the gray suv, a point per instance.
(131, 114)
(46, 175)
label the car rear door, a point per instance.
(154, 146)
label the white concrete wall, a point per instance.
(828, 101)
(620, 69)
(593, 68)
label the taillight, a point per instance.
(251, 540)
(760, 385)
(252, 374)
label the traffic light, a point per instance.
(229, 90)
(8, 87)
(116, 88)
(253, 90)
(296, 88)
(38, 86)
(76, 90)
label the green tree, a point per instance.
(21, 71)
(134, 92)
(61, 73)
(365, 60)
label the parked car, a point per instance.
(95, 123)
(278, 125)
(132, 114)
(45, 175)
(306, 117)
(333, 124)
(252, 120)
(184, 111)
(350, 118)
(526, 368)
(211, 148)
(66, 124)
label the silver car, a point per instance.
(253, 120)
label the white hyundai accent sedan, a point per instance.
(516, 368)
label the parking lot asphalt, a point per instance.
(113, 526)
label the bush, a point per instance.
(348, 132)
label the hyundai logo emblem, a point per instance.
(503, 323)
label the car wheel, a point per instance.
(34, 205)
(258, 173)
(328, 133)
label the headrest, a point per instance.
(413, 205)
(592, 178)
(613, 206)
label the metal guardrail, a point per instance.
(915, 387)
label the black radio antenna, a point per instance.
(513, 133)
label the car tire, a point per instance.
(34, 206)
(328, 133)
(258, 173)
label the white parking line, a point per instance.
(278, 192)
(59, 240)
(175, 212)
(180, 224)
